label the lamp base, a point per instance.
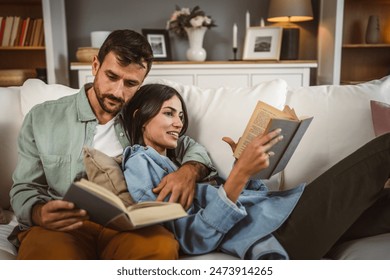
(290, 44)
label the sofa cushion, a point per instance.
(225, 111)
(3, 218)
(35, 91)
(10, 122)
(368, 248)
(380, 112)
(342, 123)
(7, 250)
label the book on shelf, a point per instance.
(2, 26)
(15, 30)
(23, 31)
(107, 209)
(9, 21)
(266, 118)
(37, 33)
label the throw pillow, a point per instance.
(35, 91)
(380, 112)
(106, 171)
(225, 111)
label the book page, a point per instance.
(159, 212)
(258, 123)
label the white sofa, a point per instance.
(342, 122)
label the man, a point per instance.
(50, 156)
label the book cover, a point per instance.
(105, 208)
(266, 118)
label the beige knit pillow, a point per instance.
(107, 172)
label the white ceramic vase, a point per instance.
(373, 30)
(196, 52)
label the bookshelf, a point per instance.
(344, 56)
(51, 53)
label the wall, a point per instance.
(91, 15)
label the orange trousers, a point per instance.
(93, 241)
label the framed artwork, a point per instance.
(159, 40)
(262, 43)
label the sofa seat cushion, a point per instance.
(7, 250)
(368, 248)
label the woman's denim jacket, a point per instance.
(214, 222)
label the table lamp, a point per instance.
(290, 11)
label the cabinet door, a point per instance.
(214, 80)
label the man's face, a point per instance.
(115, 84)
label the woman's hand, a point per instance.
(58, 215)
(254, 158)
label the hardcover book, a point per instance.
(266, 118)
(105, 208)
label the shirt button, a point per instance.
(121, 134)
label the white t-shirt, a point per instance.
(106, 141)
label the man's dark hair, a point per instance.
(129, 47)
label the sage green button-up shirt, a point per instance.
(50, 151)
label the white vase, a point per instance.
(196, 52)
(373, 30)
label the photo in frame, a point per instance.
(159, 41)
(262, 43)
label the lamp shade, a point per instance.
(290, 10)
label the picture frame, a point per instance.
(262, 43)
(159, 41)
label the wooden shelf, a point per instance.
(22, 48)
(366, 46)
(360, 61)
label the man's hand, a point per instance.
(180, 185)
(58, 215)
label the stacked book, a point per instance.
(16, 31)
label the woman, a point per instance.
(242, 217)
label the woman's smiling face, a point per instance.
(162, 131)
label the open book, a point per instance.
(105, 208)
(266, 118)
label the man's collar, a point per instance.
(84, 110)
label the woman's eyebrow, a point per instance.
(171, 108)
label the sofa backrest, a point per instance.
(342, 123)
(10, 122)
(225, 111)
(213, 113)
(15, 102)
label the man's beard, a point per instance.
(102, 97)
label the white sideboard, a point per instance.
(212, 74)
